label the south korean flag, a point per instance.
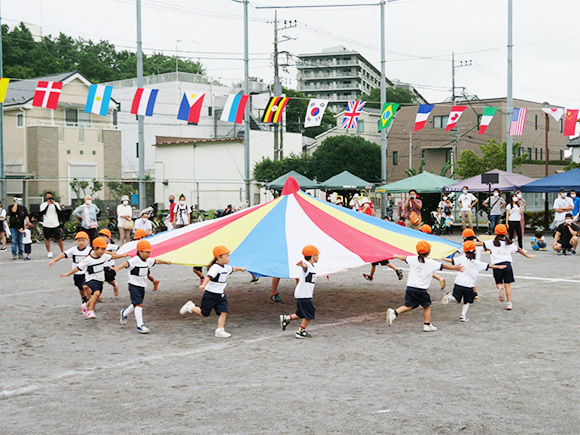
(314, 112)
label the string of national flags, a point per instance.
(48, 93)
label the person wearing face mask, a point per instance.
(51, 212)
(412, 210)
(124, 215)
(87, 213)
(144, 223)
(514, 220)
(172, 207)
(566, 237)
(18, 220)
(522, 204)
(182, 213)
(444, 210)
(562, 204)
(466, 200)
(3, 228)
(576, 202)
(495, 203)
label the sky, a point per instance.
(420, 37)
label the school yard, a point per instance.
(501, 373)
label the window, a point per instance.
(562, 125)
(440, 121)
(423, 155)
(115, 117)
(191, 123)
(395, 158)
(20, 120)
(529, 153)
(82, 152)
(94, 153)
(210, 111)
(360, 126)
(536, 122)
(448, 155)
(479, 120)
(68, 151)
(71, 117)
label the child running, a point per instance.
(304, 291)
(464, 288)
(469, 234)
(77, 254)
(501, 249)
(421, 271)
(93, 267)
(110, 273)
(139, 269)
(213, 287)
(139, 235)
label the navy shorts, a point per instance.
(417, 296)
(504, 276)
(380, 263)
(465, 293)
(305, 308)
(95, 286)
(137, 294)
(79, 281)
(110, 274)
(215, 301)
(28, 248)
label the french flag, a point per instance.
(190, 108)
(144, 102)
(422, 115)
(235, 108)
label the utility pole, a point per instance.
(454, 130)
(546, 205)
(2, 175)
(510, 100)
(249, 106)
(140, 119)
(411, 149)
(383, 101)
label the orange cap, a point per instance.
(468, 232)
(106, 232)
(310, 250)
(144, 245)
(425, 228)
(139, 234)
(81, 235)
(501, 229)
(469, 246)
(220, 250)
(99, 242)
(423, 247)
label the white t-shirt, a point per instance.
(139, 269)
(501, 253)
(123, 210)
(76, 255)
(560, 202)
(27, 237)
(421, 274)
(466, 199)
(144, 224)
(478, 251)
(468, 278)
(218, 278)
(94, 268)
(515, 212)
(305, 286)
(111, 247)
(50, 219)
(181, 212)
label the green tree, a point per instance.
(395, 94)
(268, 170)
(493, 156)
(296, 112)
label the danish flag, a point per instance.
(352, 113)
(47, 94)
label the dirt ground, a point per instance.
(501, 373)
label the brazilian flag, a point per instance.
(389, 110)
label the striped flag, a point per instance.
(274, 109)
(98, 99)
(144, 101)
(47, 94)
(190, 108)
(3, 88)
(486, 118)
(422, 115)
(518, 121)
(454, 115)
(235, 108)
(353, 111)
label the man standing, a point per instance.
(566, 236)
(495, 204)
(172, 207)
(466, 201)
(50, 210)
(562, 204)
(18, 218)
(576, 202)
(87, 213)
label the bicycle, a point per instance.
(199, 215)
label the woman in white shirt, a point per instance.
(182, 217)
(514, 212)
(124, 214)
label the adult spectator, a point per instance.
(412, 210)
(562, 204)
(87, 213)
(514, 219)
(229, 210)
(522, 204)
(3, 227)
(355, 203)
(172, 207)
(17, 221)
(495, 203)
(367, 207)
(182, 213)
(576, 202)
(444, 210)
(566, 237)
(390, 203)
(144, 223)
(124, 220)
(51, 219)
(466, 201)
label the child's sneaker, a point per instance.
(400, 274)
(445, 299)
(91, 315)
(143, 329)
(501, 293)
(476, 298)
(463, 319)
(84, 309)
(123, 318)
(155, 285)
(275, 299)
(302, 334)
(429, 328)
(221, 333)
(508, 306)
(391, 316)
(254, 280)
(283, 322)
(367, 277)
(187, 308)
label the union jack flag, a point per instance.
(352, 113)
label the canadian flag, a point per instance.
(47, 94)
(456, 112)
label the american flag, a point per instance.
(352, 113)
(518, 122)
